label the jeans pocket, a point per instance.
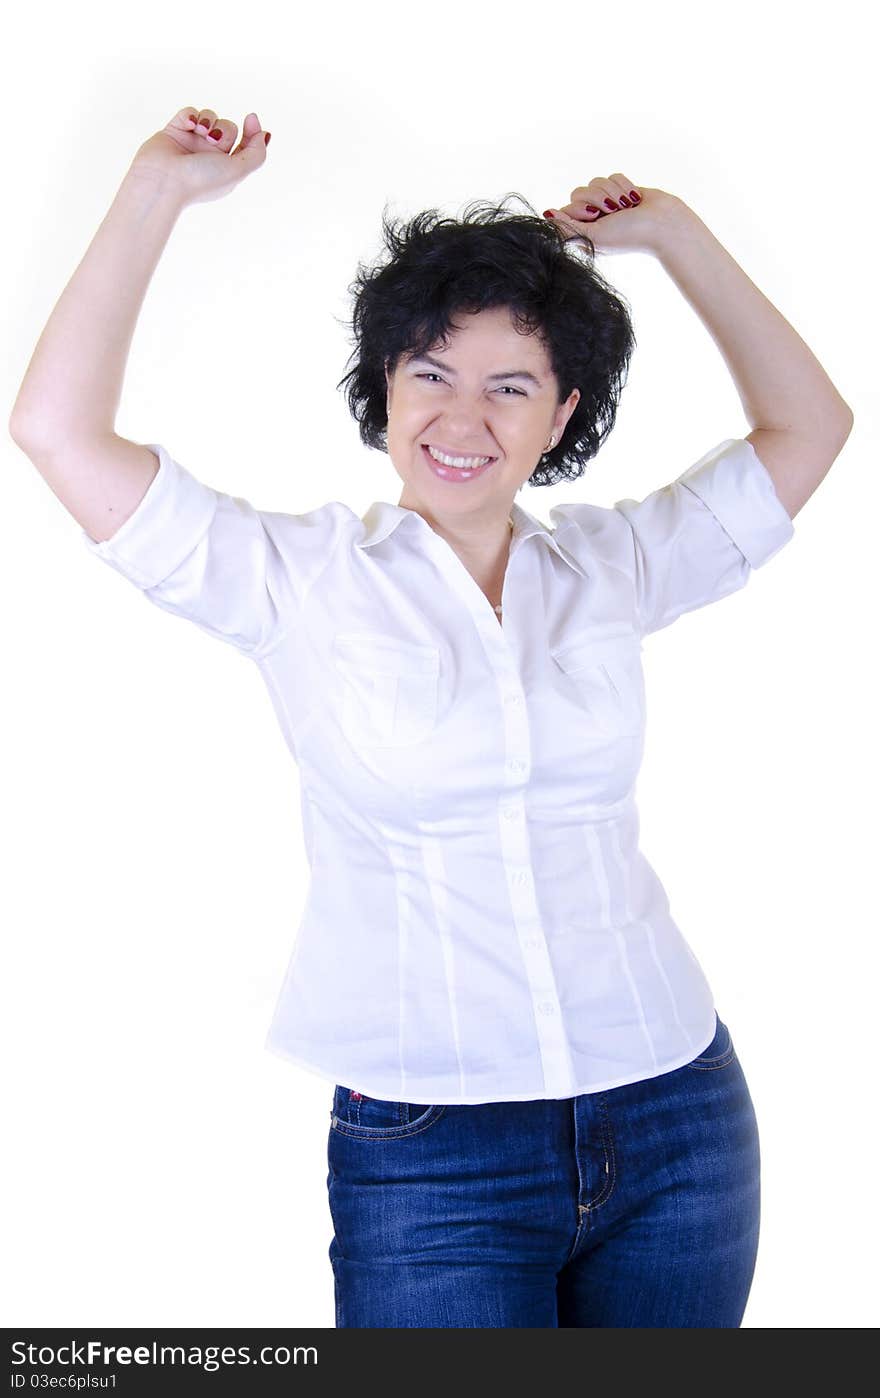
(357, 1114)
(717, 1054)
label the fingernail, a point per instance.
(610, 204)
(591, 209)
(216, 134)
(548, 213)
(624, 201)
(636, 198)
(267, 137)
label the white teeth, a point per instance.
(465, 463)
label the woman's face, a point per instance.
(489, 392)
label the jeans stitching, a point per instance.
(718, 1060)
(402, 1110)
(708, 1065)
(387, 1133)
(608, 1142)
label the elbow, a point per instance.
(836, 427)
(21, 430)
(13, 427)
(845, 429)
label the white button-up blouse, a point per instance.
(480, 924)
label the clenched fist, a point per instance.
(194, 152)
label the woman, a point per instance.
(538, 1117)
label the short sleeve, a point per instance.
(238, 573)
(697, 540)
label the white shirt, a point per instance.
(480, 924)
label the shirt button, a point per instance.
(520, 877)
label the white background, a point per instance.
(162, 1168)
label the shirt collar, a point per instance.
(382, 518)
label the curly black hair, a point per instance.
(440, 266)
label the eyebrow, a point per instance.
(509, 374)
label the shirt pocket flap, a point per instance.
(594, 645)
(604, 664)
(385, 655)
(390, 688)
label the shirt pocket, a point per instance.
(603, 664)
(389, 688)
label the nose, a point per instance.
(464, 432)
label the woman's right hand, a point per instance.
(200, 168)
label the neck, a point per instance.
(476, 543)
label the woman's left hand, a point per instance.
(637, 222)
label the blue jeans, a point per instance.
(636, 1206)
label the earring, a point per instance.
(551, 444)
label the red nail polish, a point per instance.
(268, 137)
(216, 134)
(548, 213)
(610, 204)
(636, 198)
(591, 209)
(624, 201)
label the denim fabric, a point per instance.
(637, 1206)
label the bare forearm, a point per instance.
(779, 380)
(73, 383)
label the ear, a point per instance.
(569, 406)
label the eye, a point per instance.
(518, 391)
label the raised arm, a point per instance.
(799, 420)
(64, 415)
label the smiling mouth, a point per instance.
(461, 461)
(455, 475)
